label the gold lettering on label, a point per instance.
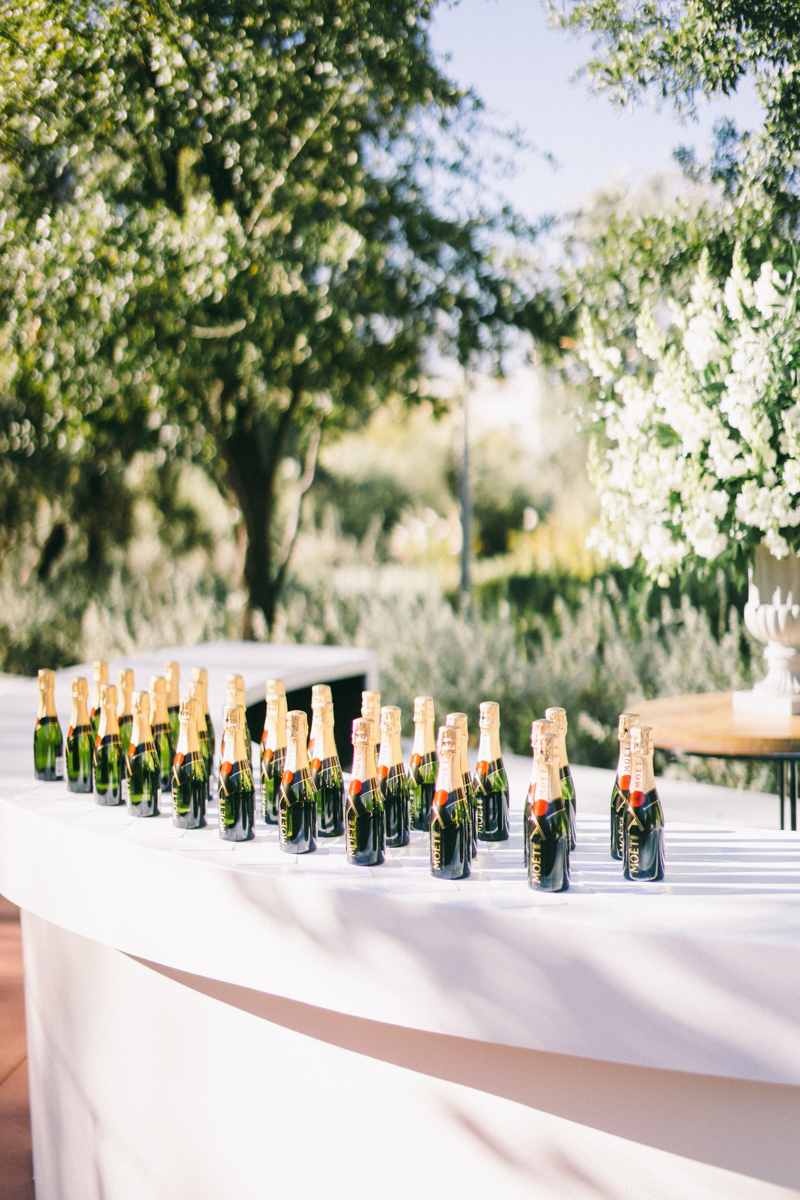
(352, 841)
(536, 860)
(436, 849)
(633, 850)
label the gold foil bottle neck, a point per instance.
(449, 736)
(489, 715)
(274, 688)
(371, 706)
(47, 680)
(558, 716)
(390, 719)
(297, 724)
(641, 740)
(458, 721)
(320, 694)
(423, 709)
(158, 684)
(234, 716)
(326, 714)
(100, 671)
(273, 708)
(362, 731)
(538, 728)
(140, 705)
(200, 675)
(188, 711)
(108, 696)
(548, 747)
(80, 687)
(626, 721)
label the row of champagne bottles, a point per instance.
(302, 789)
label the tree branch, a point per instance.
(217, 331)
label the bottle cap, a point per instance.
(188, 712)
(448, 739)
(423, 709)
(125, 679)
(320, 694)
(108, 696)
(158, 683)
(234, 716)
(640, 739)
(100, 671)
(47, 680)
(362, 731)
(80, 687)
(325, 715)
(273, 707)
(626, 720)
(172, 671)
(547, 746)
(459, 721)
(390, 719)
(236, 681)
(371, 706)
(489, 715)
(558, 716)
(200, 675)
(274, 688)
(539, 727)
(297, 724)
(196, 691)
(140, 705)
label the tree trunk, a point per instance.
(251, 467)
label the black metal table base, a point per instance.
(781, 761)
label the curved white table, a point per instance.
(209, 1021)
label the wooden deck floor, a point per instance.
(16, 1171)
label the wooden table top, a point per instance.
(707, 724)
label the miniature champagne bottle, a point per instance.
(320, 694)
(162, 733)
(48, 741)
(125, 716)
(371, 710)
(189, 776)
(326, 774)
(451, 820)
(236, 682)
(644, 819)
(273, 756)
(558, 717)
(172, 676)
(297, 801)
(490, 782)
(393, 780)
(548, 824)
(80, 742)
(100, 676)
(109, 757)
(461, 722)
(424, 763)
(537, 727)
(141, 786)
(236, 788)
(363, 816)
(200, 675)
(197, 692)
(622, 784)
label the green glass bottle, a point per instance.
(537, 728)
(48, 741)
(644, 819)
(236, 788)
(490, 782)
(393, 780)
(235, 695)
(100, 676)
(198, 694)
(80, 742)
(172, 677)
(125, 715)
(141, 786)
(189, 776)
(451, 819)
(297, 800)
(622, 784)
(363, 814)
(548, 825)
(558, 717)
(200, 675)
(461, 722)
(371, 711)
(109, 759)
(162, 732)
(326, 771)
(273, 756)
(424, 764)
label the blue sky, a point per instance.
(522, 69)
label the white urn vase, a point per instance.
(772, 614)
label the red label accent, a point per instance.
(97, 742)
(225, 768)
(482, 767)
(540, 807)
(316, 764)
(286, 779)
(69, 732)
(131, 749)
(440, 798)
(178, 759)
(625, 782)
(637, 799)
(416, 759)
(355, 787)
(383, 772)
(269, 755)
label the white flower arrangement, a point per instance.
(699, 454)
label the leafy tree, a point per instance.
(221, 242)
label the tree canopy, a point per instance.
(222, 235)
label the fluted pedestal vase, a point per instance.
(772, 614)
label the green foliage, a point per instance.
(219, 241)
